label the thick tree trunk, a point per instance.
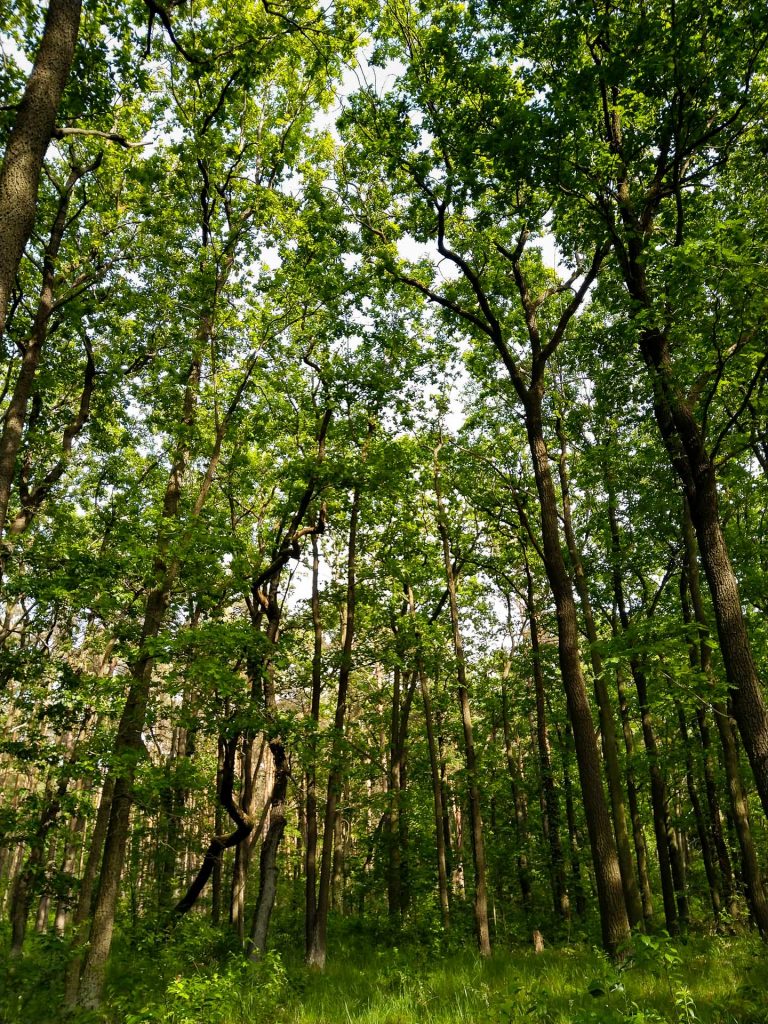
(607, 723)
(30, 137)
(610, 892)
(750, 865)
(470, 758)
(268, 859)
(85, 897)
(694, 466)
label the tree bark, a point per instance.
(610, 891)
(518, 799)
(750, 865)
(607, 724)
(30, 137)
(470, 758)
(318, 947)
(638, 833)
(269, 849)
(550, 804)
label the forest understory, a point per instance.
(381, 975)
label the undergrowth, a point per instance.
(191, 977)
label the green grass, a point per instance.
(191, 978)
(717, 981)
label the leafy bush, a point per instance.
(242, 992)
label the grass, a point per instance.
(714, 981)
(194, 979)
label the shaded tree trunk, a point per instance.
(607, 724)
(318, 947)
(550, 803)
(476, 821)
(750, 865)
(610, 891)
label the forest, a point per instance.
(383, 498)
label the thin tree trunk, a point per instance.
(550, 805)
(318, 947)
(476, 821)
(310, 903)
(16, 414)
(638, 833)
(218, 825)
(518, 798)
(394, 881)
(685, 444)
(129, 745)
(268, 858)
(710, 867)
(85, 896)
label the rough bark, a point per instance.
(750, 865)
(30, 137)
(269, 849)
(610, 891)
(605, 710)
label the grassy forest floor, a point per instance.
(190, 978)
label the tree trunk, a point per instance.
(550, 804)
(30, 137)
(85, 897)
(638, 833)
(394, 881)
(518, 798)
(310, 859)
(710, 867)
(476, 821)
(607, 724)
(318, 947)
(610, 892)
(750, 865)
(694, 466)
(269, 849)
